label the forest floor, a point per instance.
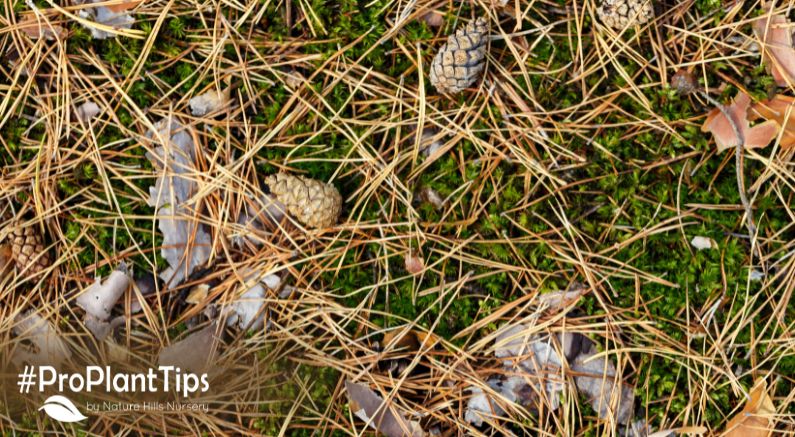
(576, 167)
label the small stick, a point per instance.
(738, 158)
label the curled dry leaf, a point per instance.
(598, 379)
(48, 346)
(197, 294)
(780, 108)
(778, 54)
(211, 101)
(756, 418)
(725, 136)
(248, 310)
(558, 300)
(98, 301)
(427, 194)
(381, 416)
(87, 111)
(36, 27)
(703, 243)
(194, 353)
(114, 17)
(186, 243)
(534, 369)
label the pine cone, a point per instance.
(313, 203)
(460, 62)
(28, 249)
(620, 14)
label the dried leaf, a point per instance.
(598, 379)
(371, 408)
(37, 27)
(778, 55)
(721, 128)
(431, 196)
(780, 108)
(537, 358)
(124, 5)
(211, 101)
(685, 430)
(114, 17)
(175, 161)
(186, 243)
(703, 243)
(198, 294)
(87, 111)
(482, 406)
(755, 420)
(411, 340)
(559, 300)
(247, 311)
(98, 299)
(48, 347)
(195, 353)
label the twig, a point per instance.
(738, 157)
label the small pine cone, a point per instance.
(620, 14)
(462, 59)
(28, 249)
(315, 204)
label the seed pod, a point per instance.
(462, 59)
(315, 204)
(620, 14)
(28, 249)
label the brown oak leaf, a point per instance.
(778, 54)
(719, 125)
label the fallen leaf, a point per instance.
(598, 379)
(482, 406)
(186, 243)
(197, 294)
(685, 430)
(778, 54)
(780, 108)
(48, 347)
(87, 111)
(98, 299)
(381, 416)
(113, 17)
(721, 128)
(194, 353)
(124, 5)
(211, 101)
(37, 27)
(559, 300)
(248, 310)
(703, 243)
(755, 420)
(429, 195)
(411, 340)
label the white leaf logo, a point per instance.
(62, 409)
